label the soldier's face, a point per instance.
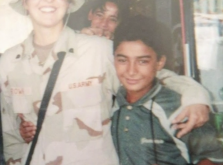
(46, 13)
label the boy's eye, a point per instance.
(143, 62)
(121, 60)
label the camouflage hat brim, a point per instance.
(17, 5)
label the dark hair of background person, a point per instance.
(122, 6)
(79, 19)
(152, 33)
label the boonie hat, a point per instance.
(18, 6)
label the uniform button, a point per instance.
(127, 118)
(129, 107)
(126, 130)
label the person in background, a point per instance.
(141, 125)
(104, 17)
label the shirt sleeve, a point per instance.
(203, 144)
(14, 145)
(112, 82)
(191, 91)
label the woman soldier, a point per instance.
(76, 128)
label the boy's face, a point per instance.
(136, 66)
(106, 18)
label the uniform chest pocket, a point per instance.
(82, 119)
(21, 99)
(81, 94)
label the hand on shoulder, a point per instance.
(196, 116)
(98, 32)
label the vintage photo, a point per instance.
(111, 82)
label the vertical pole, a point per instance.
(187, 19)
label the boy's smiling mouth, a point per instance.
(132, 81)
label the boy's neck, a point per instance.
(133, 97)
(46, 36)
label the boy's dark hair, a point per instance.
(122, 7)
(145, 29)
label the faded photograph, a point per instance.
(111, 82)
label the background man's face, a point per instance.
(106, 18)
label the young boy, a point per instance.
(141, 127)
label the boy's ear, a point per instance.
(161, 62)
(90, 15)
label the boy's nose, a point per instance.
(132, 69)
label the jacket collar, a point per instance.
(60, 45)
(65, 43)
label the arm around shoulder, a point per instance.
(195, 99)
(192, 92)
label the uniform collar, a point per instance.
(65, 43)
(28, 48)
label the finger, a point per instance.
(28, 140)
(182, 132)
(185, 128)
(28, 134)
(181, 117)
(30, 129)
(27, 131)
(24, 131)
(87, 31)
(108, 34)
(91, 32)
(178, 126)
(21, 116)
(98, 32)
(28, 124)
